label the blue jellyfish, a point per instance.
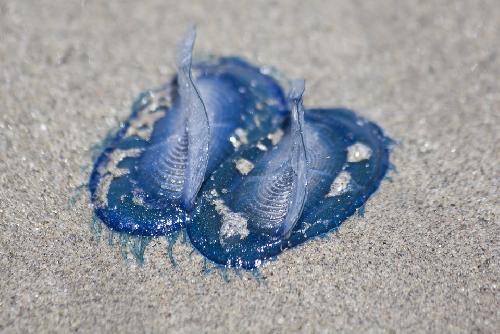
(292, 186)
(149, 175)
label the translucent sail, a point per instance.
(196, 121)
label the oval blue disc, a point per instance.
(136, 182)
(348, 158)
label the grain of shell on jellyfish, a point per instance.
(222, 152)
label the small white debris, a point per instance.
(239, 138)
(360, 122)
(242, 135)
(256, 120)
(266, 70)
(261, 146)
(358, 152)
(233, 223)
(340, 185)
(275, 137)
(138, 200)
(236, 143)
(244, 166)
(272, 102)
(305, 227)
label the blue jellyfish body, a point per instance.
(221, 151)
(150, 173)
(290, 187)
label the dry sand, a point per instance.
(424, 258)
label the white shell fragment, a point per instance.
(275, 137)
(261, 147)
(239, 139)
(242, 135)
(244, 166)
(233, 223)
(358, 152)
(235, 142)
(340, 185)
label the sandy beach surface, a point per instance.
(424, 258)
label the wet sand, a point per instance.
(425, 256)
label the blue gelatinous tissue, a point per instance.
(284, 191)
(177, 135)
(221, 151)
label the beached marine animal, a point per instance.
(177, 135)
(221, 151)
(326, 165)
